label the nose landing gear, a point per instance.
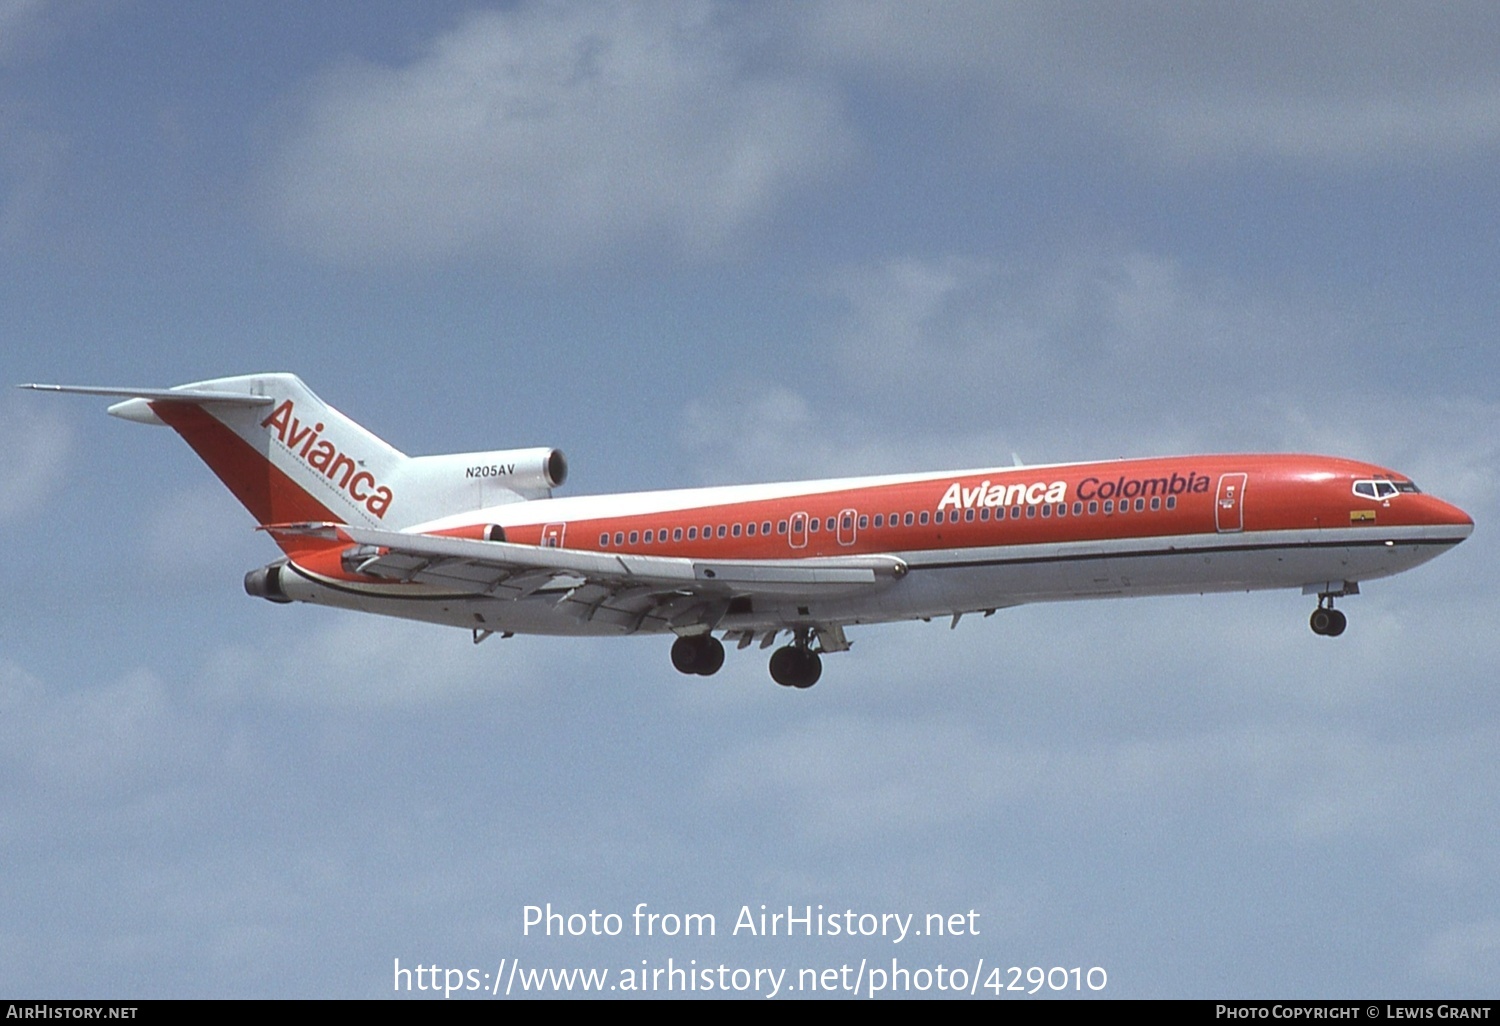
(1326, 620)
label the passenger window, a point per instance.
(909, 518)
(647, 538)
(604, 539)
(923, 518)
(781, 527)
(722, 530)
(1093, 506)
(938, 517)
(736, 531)
(1030, 512)
(1109, 506)
(1078, 509)
(969, 515)
(634, 537)
(1171, 502)
(829, 525)
(750, 528)
(864, 521)
(692, 534)
(879, 519)
(1140, 505)
(984, 513)
(1155, 503)
(677, 534)
(1046, 511)
(619, 537)
(765, 527)
(814, 524)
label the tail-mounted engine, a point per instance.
(474, 480)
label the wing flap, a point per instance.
(505, 568)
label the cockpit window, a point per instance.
(1381, 488)
(1410, 487)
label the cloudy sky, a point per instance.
(701, 243)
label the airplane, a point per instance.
(477, 540)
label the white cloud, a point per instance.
(551, 132)
(953, 361)
(17, 18)
(34, 442)
(1465, 955)
(859, 776)
(1311, 84)
(97, 743)
(349, 660)
(201, 532)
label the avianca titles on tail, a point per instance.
(303, 441)
(797, 563)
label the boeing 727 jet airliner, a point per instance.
(476, 540)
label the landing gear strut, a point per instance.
(797, 665)
(702, 654)
(1326, 620)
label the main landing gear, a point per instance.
(792, 666)
(702, 654)
(1326, 620)
(796, 665)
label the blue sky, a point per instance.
(704, 243)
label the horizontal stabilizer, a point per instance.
(181, 395)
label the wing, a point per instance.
(630, 591)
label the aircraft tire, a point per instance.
(1320, 620)
(793, 667)
(784, 666)
(812, 669)
(710, 656)
(700, 654)
(1337, 621)
(685, 655)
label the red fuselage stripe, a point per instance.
(1201, 495)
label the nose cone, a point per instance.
(1446, 515)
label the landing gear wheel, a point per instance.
(784, 666)
(700, 654)
(710, 657)
(794, 667)
(812, 669)
(1328, 622)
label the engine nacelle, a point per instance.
(478, 479)
(266, 583)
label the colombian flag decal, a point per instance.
(1361, 516)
